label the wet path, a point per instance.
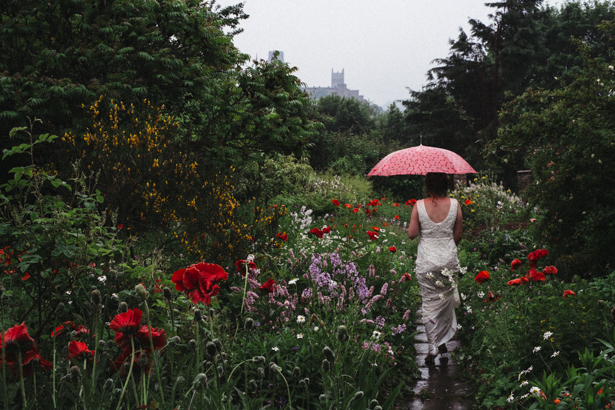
(441, 385)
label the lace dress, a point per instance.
(437, 251)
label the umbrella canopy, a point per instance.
(421, 160)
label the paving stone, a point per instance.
(421, 337)
(420, 328)
(449, 403)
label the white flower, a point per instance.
(547, 335)
(250, 258)
(376, 334)
(535, 391)
(481, 294)
(275, 348)
(463, 270)
(458, 327)
(102, 278)
(525, 396)
(524, 383)
(316, 328)
(300, 319)
(536, 349)
(293, 281)
(469, 309)
(555, 354)
(300, 336)
(611, 68)
(510, 398)
(463, 296)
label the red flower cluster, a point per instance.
(268, 286)
(533, 273)
(395, 204)
(482, 277)
(18, 344)
(348, 206)
(336, 202)
(198, 281)
(374, 202)
(550, 270)
(516, 264)
(392, 249)
(537, 254)
(372, 235)
(78, 351)
(282, 235)
(568, 292)
(320, 232)
(411, 202)
(68, 325)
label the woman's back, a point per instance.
(437, 248)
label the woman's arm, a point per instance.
(458, 228)
(413, 228)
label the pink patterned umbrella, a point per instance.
(421, 160)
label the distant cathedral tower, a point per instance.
(337, 78)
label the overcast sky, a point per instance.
(384, 46)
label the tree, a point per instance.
(566, 137)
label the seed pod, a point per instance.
(75, 373)
(260, 372)
(326, 366)
(302, 384)
(102, 344)
(201, 380)
(220, 371)
(342, 333)
(192, 344)
(144, 360)
(328, 353)
(141, 292)
(252, 385)
(211, 312)
(218, 344)
(210, 348)
(95, 297)
(249, 323)
(167, 293)
(197, 315)
(122, 307)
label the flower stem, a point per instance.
(243, 302)
(151, 344)
(6, 403)
(132, 362)
(23, 387)
(96, 340)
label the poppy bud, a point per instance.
(252, 385)
(307, 381)
(212, 312)
(373, 404)
(356, 396)
(180, 380)
(326, 366)
(95, 297)
(75, 373)
(87, 306)
(220, 371)
(167, 293)
(249, 324)
(192, 344)
(102, 344)
(141, 292)
(1, 289)
(218, 344)
(174, 341)
(122, 307)
(258, 359)
(197, 315)
(274, 367)
(117, 392)
(108, 384)
(210, 348)
(342, 333)
(328, 353)
(296, 372)
(260, 372)
(378, 408)
(144, 360)
(302, 384)
(200, 380)
(322, 398)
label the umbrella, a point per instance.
(419, 161)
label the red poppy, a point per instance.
(16, 342)
(467, 202)
(514, 282)
(336, 202)
(198, 281)
(492, 297)
(536, 276)
(375, 228)
(348, 206)
(127, 322)
(406, 277)
(537, 254)
(141, 339)
(372, 235)
(241, 264)
(79, 351)
(268, 286)
(515, 264)
(355, 210)
(396, 216)
(533, 264)
(374, 202)
(120, 226)
(395, 204)
(550, 270)
(326, 229)
(367, 211)
(282, 235)
(411, 202)
(482, 277)
(568, 292)
(317, 232)
(392, 249)
(525, 279)
(26, 276)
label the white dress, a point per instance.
(437, 251)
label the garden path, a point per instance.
(441, 385)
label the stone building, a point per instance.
(338, 87)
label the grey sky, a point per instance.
(384, 46)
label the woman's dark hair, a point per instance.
(436, 183)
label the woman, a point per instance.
(439, 221)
